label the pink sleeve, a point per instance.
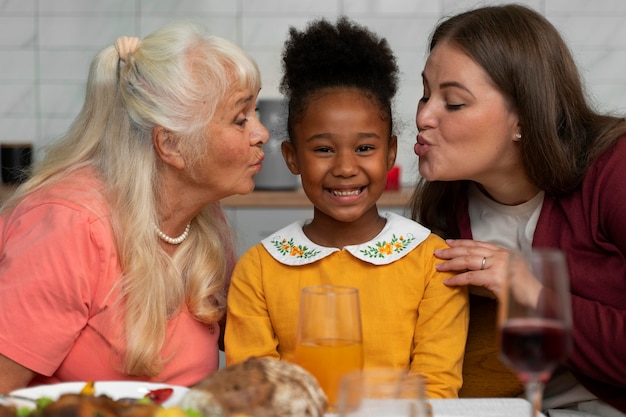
(51, 261)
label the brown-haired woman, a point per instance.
(512, 156)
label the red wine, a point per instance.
(533, 346)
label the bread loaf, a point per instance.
(258, 387)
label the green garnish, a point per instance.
(24, 412)
(190, 412)
(44, 401)
(144, 400)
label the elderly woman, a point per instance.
(115, 253)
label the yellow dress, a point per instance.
(410, 319)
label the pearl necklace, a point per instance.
(173, 240)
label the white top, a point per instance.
(511, 227)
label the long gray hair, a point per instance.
(175, 79)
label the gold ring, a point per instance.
(482, 264)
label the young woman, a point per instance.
(512, 156)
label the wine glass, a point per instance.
(382, 391)
(329, 340)
(534, 339)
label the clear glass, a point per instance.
(329, 340)
(534, 339)
(382, 392)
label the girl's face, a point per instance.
(342, 150)
(467, 127)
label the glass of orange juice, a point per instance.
(329, 341)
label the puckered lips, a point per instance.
(421, 146)
(259, 162)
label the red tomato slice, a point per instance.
(158, 396)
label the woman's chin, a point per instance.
(426, 173)
(246, 188)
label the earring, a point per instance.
(518, 135)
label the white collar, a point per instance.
(290, 246)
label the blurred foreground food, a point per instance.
(84, 405)
(258, 387)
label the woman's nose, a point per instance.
(424, 117)
(260, 135)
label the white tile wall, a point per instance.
(185, 8)
(17, 32)
(46, 46)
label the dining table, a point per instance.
(474, 407)
(481, 407)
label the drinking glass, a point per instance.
(535, 339)
(329, 340)
(382, 392)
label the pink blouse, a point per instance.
(58, 267)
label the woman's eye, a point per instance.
(241, 122)
(424, 99)
(454, 107)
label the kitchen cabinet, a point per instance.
(255, 216)
(251, 225)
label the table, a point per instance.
(481, 407)
(476, 407)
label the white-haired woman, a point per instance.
(115, 254)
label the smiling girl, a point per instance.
(340, 81)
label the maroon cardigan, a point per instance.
(590, 227)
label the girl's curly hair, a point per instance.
(342, 55)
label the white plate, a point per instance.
(113, 389)
(8, 401)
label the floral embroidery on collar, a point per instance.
(288, 248)
(399, 237)
(383, 248)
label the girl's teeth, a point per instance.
(346, 193)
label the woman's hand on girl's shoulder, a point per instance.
(479, 264)
(486, 265)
